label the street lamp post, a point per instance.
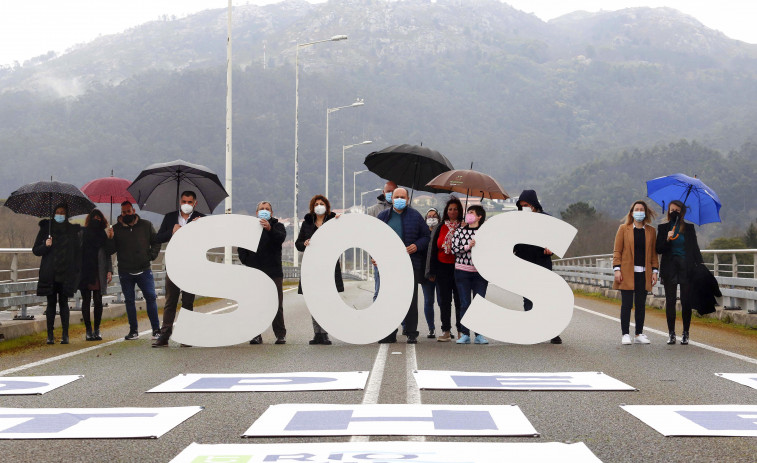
(362, 252)
(295, 257)
(358, 102)
(354, 187)
(346, 147)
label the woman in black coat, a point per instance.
(96, 271)
(58, 244)
(677, 244)
(320, 213)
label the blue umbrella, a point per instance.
(702, 203)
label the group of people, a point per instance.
(79, 258)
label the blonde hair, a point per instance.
(650, 214)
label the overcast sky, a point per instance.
(31, 28)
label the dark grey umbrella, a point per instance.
(408, 165)
(157, 188)
(38, 199)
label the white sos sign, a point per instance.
(188, 267)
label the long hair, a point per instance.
(96, 213)
(650, 214)
(453, 200)
(325, 201)
(680, 217)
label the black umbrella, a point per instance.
(157, 188)
(38, 199)
(409, 165)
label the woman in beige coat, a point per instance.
(634, 260)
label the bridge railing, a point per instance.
(735, 270)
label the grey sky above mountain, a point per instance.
(29, 29)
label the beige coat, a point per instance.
(623, 255)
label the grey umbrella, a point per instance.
(158, 186)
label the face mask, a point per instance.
(264, 214)
(129, 218)
(639, 215)
(432, 222)
(320, 209)
(60, 218)
(526, 209)
(674, 216)
(187, 208)
(388, 196)
(470, 218)
(400, 203)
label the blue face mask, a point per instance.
(388, 196)
(400, 203)
(639, 215)
(264, 214)
(60, 218)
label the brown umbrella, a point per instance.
(469, 182)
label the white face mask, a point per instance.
(432, 221)
(187, 208)
(320, 209)
(526, 209)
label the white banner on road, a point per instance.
(388, 452)
(747, 379)
(90, 423)
(570, 381)
(698, 420)
(391, 420)
(33, 385)
(265, 382)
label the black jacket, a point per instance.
(529, 252)
(135, 245)
(166, 227)
(307, 229)
(100, 262)
(704, 290)
(267, 258)
(693, 254)
(66, 250)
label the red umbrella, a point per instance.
(108, 190)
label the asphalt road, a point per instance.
(118, 374)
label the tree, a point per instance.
(750, 237)
(579, 212)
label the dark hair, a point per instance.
(59, 206)
(455, 201)
(127, 203)
(479, 212)
(322, 198)
(94, 213)
(681, 217)
(189, 193)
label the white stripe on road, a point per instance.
(371, 394)
(413, 392)
(89, 349)
(664, 334)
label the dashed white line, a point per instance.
(413, 392)
(373, 388)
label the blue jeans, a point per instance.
(146, 283)
(467, 283)
(429, 287)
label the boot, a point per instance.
(64, 325)
(672, 337)
(96, 334)
(317, 339)
(325, 340)
(685, 338)
(50, 328)
(89, 336)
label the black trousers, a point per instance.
(58, 296)
(172, 300)
(279, 329)
(679, 277)
(411, 318)
(446, 291)
(96, 297)
(631, 297)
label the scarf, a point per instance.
(451, 226)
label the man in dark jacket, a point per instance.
(133, 240)
(528, 201)
(384, 203)
(171, 224)
(267, 259)
(410, 225)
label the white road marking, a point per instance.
(665, 334)
(373, 388)
(413, 392)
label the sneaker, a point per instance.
(257, 340)
(464, 339)
(155, 334)
(445, 337)
(641, 339)
(626, 340)
(162, 340)
(280, 340)
(132, 336)
(685, 338)
(672, 337)
(556, 340)
(480, 340)
(431, 334)
(412, 339)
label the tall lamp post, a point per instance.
(354, 183)
(361, 208)
(346, 147)
(227, 205)
(295, 257)
(358, 102)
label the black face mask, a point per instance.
(129, 218)
(674, 216)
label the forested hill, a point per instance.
(525, 100)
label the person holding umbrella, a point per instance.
(172, 223)
(677, 244)
(267, 258)
(320, 213)
(96, 271)
(58, 244)
(133, 240)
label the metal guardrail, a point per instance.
(738, 282)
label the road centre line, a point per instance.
(665, 334)
(373, 388)
(413, 392)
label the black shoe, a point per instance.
(431, 335)
(132, 336)
(50, 341)
(556, 340)
(162, 340)
(64, 339)
(96, 336)
(412, 339)
(280, 340)
(685, 338)
(404, 332)
(257, 340)
(391, 339)
(672, 337)
(326, 341)
(317, 339)
(89, 336)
